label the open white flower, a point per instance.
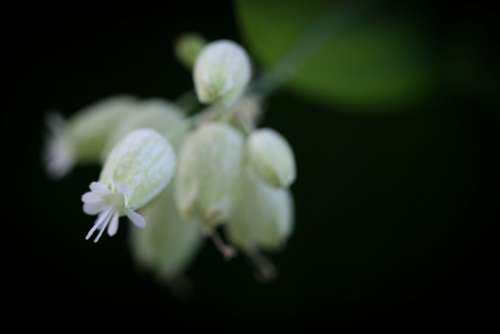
(138, 168)
(109, 206)
(81, 138)
(154, 113)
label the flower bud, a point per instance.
(138, 168)
(208, 172)
(159, 115)
(167, 244)
(271, 157)
(221, 72)
(81, 138)
(188, 47)
(263, 215)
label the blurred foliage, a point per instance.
(364, 59)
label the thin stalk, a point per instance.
(311, 41)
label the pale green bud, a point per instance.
(208, 171)
(188, 47)
(221, 72)
(159, 115)
(82, 137)
(271, 157)
(167, 244)
(263, 215)
(138, 168)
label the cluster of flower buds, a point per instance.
(180, 178)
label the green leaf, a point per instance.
(362, 59)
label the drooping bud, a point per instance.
(262, 220)
(138, 168)
(263, 215)
(81, 138)
(271, 157)
(221, 72)
(208, 172)
(188, 47)
(159, 115)
(168, 243)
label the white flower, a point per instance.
(154, 113)
(271, 158)
(208, 172)
(81, 138)
(263, 215)
(168, 243)
(138, 168)
(109, 206)
(262, 220)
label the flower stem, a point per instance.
(307, 45)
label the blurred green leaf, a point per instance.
(364, 61)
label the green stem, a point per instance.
(311, 41)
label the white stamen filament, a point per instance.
(102, 222)
(227, 251)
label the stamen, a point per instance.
(100, 219)
(105, 223)
(265, 269)
(227, 251)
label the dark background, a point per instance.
(394, 210)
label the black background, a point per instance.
(394, 210)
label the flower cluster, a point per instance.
(181, 178)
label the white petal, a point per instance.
(91, 208)
(136, 218)
(91, 197)
(113, 226)
(99, 188)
